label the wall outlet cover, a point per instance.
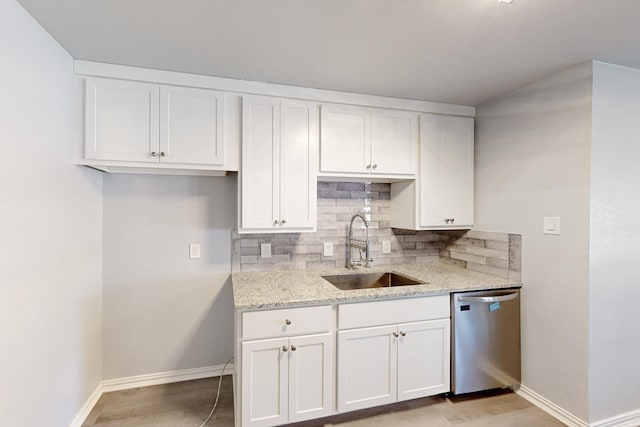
(386, 247)
(265, 250)
(194, 251)
(328, 248)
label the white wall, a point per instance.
(50, 235)
(163, 311)
(615, 242)
(532, 160)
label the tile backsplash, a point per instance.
(493, 253)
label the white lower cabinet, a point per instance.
(286, 380)
(387, 351)
(385, 364)
(392, 350)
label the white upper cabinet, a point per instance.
(446, 171)
(442, 196)
(122, 121)
(279, 165)
(191, 125)
(133, 125)
(360, 141)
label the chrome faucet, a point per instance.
(361, 245)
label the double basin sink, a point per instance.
(348, 282)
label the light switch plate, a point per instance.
(194, 251)
(265, 250)
(386, 247)
(551, 225)
(328, 248)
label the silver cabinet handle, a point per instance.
(284, 348)
(162, 154)
(153, 154)
(446, 220)
(452, 219)
(375, 165)
(276, 222)
(293, 348)
(395, 334)
(288, 322)
(403, 334)
(369, 166)
(284, 221)
(497, 298)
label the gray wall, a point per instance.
(50, 235)
(532, 160)
(614, 379)
(163, 311)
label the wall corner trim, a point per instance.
(146, 380)
(551, 408)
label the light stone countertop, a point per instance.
(256, 290)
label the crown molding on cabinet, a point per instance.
(99, 69)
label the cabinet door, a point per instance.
(423, 358)
(264, 382)
(394, 142)
(367, 367)
(298, 165)
(446, 171)
(121, 120)
(458, 165)
(259, 174)
(310, 373)
(345, 139)
(191, 126)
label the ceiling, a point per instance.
(455, 51)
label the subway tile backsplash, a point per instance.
(493, 253)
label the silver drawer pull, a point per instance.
(395, 334)
(288, 322)
(403, 334)
(293, 348)
(284, 348)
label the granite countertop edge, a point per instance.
(289, 288)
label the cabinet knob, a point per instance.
(162, 154)
(293, 348)
(284, 348)
(284, 221)
(153, 153)
(446, 220)
(368, 166)
(288, 322)
(375, 165)
(452, 219)
(276, 222)
(403, 334)
(395, 334)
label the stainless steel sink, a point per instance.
(370, 280)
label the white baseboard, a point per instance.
(628, 419)
(84, 412)
(164, 378)
(551, 408)
(145, 381)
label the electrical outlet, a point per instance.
(386, 247)
(265, 250)
(328, 248)
(194, 251)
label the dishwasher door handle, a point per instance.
(499, 298)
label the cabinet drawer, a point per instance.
(286, 322)
(365, 314)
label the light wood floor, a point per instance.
(188, 403)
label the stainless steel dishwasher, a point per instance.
(485, 351)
